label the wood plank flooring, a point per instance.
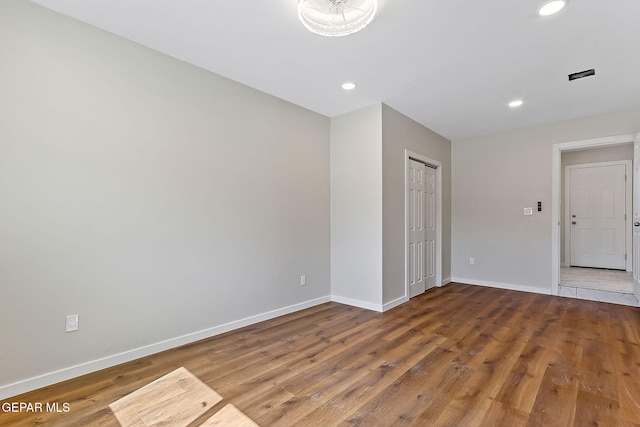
(456, 356)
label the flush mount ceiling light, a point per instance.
(348, 86)
(516, 103)
(336, 18)
(551, 7)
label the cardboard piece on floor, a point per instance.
(174, 400)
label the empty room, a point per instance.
(319, 213)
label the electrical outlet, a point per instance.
(472, 261)
(303, 280)
(71, 323)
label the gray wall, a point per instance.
(356, 207)
(494, 178)
(150, 197)
(593, 155)
(367, 203)
(399, 133)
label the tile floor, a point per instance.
(594, 284)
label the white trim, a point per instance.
(628, 205)
(507, 286)
(438, 165)
(44, 380)
(635, 201)
(357, 303)
(392, 304)
(556, 172)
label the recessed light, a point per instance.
(516, 103)
(348, 86)
(551, 7)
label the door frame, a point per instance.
(410, 155)
(556, 182)
(628, 164)
(635, 245)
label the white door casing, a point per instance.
(596, 213)
(636, 218)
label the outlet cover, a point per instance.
(71, 323)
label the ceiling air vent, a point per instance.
(582, 74)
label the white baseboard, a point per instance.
(446, 281)
(396, 302)
(10, 390)
(357, 303)
(499, 285)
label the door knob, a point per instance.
(637, 224)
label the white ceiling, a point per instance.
(451, 65)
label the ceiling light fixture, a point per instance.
(551, 7)
(336, 18)
(348, 86)
(516, 103)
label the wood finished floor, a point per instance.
(456, 356)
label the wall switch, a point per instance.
(303, 280)
(528, 211)
(472, 261)
(71, 323)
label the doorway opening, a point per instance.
(423, 223)
(587, 282)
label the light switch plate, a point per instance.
(528, 211)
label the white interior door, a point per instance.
(636, 217)
(422, 228)
(417, 231)
(430, 199)
(597, 209)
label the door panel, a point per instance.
(609, 242)
(597, 208)
(417, 233)
(422, 223)
(430, 227)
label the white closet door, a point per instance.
(417, 231)
(430, 227)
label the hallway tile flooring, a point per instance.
(613, 286)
